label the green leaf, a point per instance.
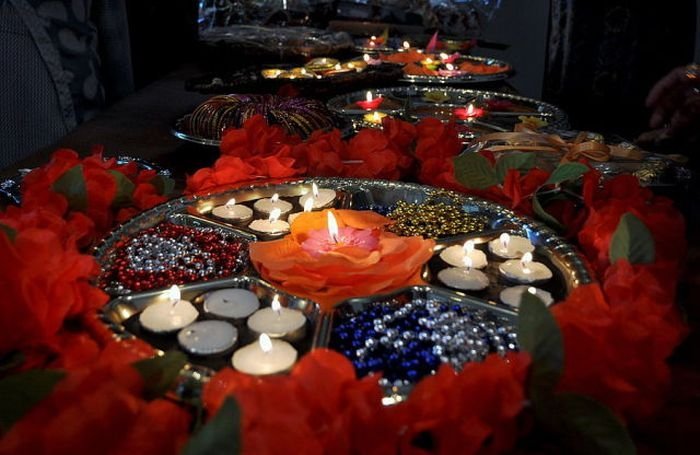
(222, 435)
(542, 214)
(159, 373)
(9, 232)
(539, 335)
(20, 392)
(164, 185)
(474, 171)
(521, 161)
(589, 427)
(125, 189)
(567, 172)
(632, 241)
(72, 185)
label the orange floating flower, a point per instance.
(358, 260)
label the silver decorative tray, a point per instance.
(379, 195)
(410, 103)
(469, 78)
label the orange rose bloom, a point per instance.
(347, 270)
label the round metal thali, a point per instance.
(121, 314)
(468, 78)
(413, 103)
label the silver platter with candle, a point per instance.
(413, 103)
(467, 78)
(121, 313)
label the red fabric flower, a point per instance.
(45, 280)
(624, 194)
(401, 134)
(256, 137)
(436, 140)
(462, 411)
(85, 410)
(379, 158)
(322, 153)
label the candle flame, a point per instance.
(174, 294)
(406, 45)
(376, 117)
(470, 110)
(274, 215)
(428, 61)
(308, 205)
(468, 247)
(275, 305)
(265, 343)
(526, 259)
(303, 71)
(505, 241)
(324, 61)
(366, 58)
(373, 38)
(230, 203)
(314, 190)
(275, 197)
(532, 290)
(351, 65)
(337, 67)
(368, 96)
(450, 67)
(332, 227)
(444, 56)
(468, 263)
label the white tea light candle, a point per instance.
(510, 246)
(278, 322)
(320, 197)
(272, 225)
(513, 295)
(231, 303)
(267, 205)
(169, 316)
(207, 337)
(465, 278)
(265, 356)
(455, 254)
(231, 211)
(525, 270)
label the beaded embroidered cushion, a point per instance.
(299, 116)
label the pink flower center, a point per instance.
(319, 242)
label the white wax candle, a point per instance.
(321, 197)
(269, 227)
(168, 316)
(513, 295)
(231, 303)
(525, 270)
(511, 246)
(208, 337)
(278, 322)
(267, 205)
(233, 212)
(308, 206)
(464, 278)
(265, 356)
(455, 255)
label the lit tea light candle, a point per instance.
(469, 112)
(308, 207)
(370, 102)
(465, 278)
(267, 205)
(231, 303)
(339, 69)
(513, 295)
(320, 197)
(265, 356)
(525, 270)
(271, 73)
(372, 41)
(322, 241)
(272, 225)
(406, 45)
(233, 212)
(371, 61)
(455, 254)
(168, 316)
(510, 246)
(207, 337)
(375, 117)
(278, 322)
(450, 71)
(429, 63)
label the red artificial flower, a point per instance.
(437, 140)
(440, 172)
(378, 157)
(84, 410)
(256, 137)
(473, 411)
(617, 355)
(401, 134)
(621, 195)
(45, 281)
(569, 214)
(322, 153)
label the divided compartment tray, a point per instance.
(122, 314)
